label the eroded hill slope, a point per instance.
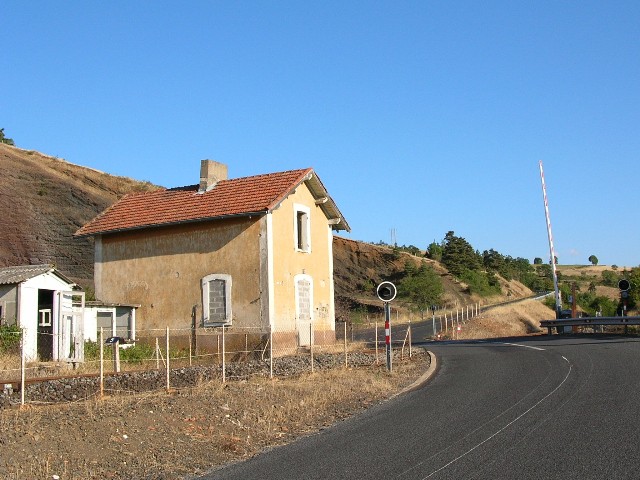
(43, 201)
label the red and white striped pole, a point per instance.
(386, 292)
(551, 249)
(387, 332)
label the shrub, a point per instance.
(9, 338)
(481, 283)
(138, 353)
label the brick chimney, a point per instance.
(211, 172)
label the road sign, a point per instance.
(386, 291)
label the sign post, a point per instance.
(433, 319)
(386, 292)
(624, 285)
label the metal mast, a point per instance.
(551, 250)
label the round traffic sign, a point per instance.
(386, 291)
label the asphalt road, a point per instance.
(535, 408)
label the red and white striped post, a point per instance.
(552, 253)
(386, 292)
(387, 332)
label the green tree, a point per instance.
(434, 251)
(634, 291)
(610, 279)
(537, 261)
(481, 283)
(422, 289)
(410, 268)
(493, 260)
(458, 255)
(4, 139)
(593, 259)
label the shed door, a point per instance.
(70, 326)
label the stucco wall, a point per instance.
(288, 262)
(161, 269)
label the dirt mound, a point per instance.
(44, 200)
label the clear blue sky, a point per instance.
(422, 117)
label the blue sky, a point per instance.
(422, 117)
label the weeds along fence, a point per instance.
(176, 358)
(437, 323)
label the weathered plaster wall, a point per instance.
(288, 262)
(161, 269)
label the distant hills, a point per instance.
(44, 200)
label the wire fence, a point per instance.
(163, 358)
(437, 323)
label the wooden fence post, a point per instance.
(345, 345)
(376, 343)
(224, 373)
(116, 356)
(270, 352)
(168, 370)
(23, 364)
(311, 343)
(157, 354)
(101, 362)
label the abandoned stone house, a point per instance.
(249, 254)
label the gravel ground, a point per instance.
(155, 435)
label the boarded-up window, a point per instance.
(304, 300)
(216, 299)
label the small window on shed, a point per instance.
(216, 300)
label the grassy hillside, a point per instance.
(359, 267)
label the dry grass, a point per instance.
(168, 436)
(510, 320)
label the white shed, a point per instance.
(114, 319)
(48, 307)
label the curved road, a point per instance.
(530, 408)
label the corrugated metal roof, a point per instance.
(22, 273)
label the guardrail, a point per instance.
(589, 321)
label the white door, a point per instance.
(69, 327)
(304, 312)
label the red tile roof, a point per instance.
(236, 197)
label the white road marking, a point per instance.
(496, 433)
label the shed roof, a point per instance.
(22, 273)
(244, 196)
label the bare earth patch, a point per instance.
(187, 432)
